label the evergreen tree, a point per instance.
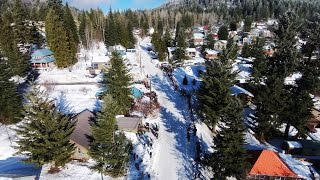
(44, 132)
(111, 30)
(233, 26)
(297, 110)
(70, 24)
(223, 33)
(229, 158)
(10, 101)
(270, 100)
(214, 93)
(109, 148)
(117, 81)
(167, 38)
(285, 61)
(131, 39)
(35, 37)
(60, 39)
(310, 64)
(82, 29)
(159, 46)
(260, 62)
(20, 28)
(211, 41)
(245, 50)
(247, 24)
(185, 80)
(180, 52)
(276, 103)
(16, 60)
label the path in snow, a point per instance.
(173, 157)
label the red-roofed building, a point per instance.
(268, 165)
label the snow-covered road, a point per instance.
(173, 157)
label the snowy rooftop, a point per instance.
(235, 90)
(191, 50)
(198, 35)
(210, 51)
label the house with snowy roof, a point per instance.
(118, 49)
(191, 52)
(220, 45)
(42, 59)
(198, 39)
(211, 54)
(81, 133)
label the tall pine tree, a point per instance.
(8, 44)
(214, 93)
(180, 52)
(44, 132)
(10, 100)
(82, 29)
(229, 158)
(109, 148)
(20, 28)
(117, 82)
(59, 38)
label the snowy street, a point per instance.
(174, 155)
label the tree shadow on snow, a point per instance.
(14, 167)
(63, 104)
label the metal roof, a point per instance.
(42, 53)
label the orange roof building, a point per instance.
(267, 163)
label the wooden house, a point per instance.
(220, 45)
(42, 59)
(211, 54)
(81, 133)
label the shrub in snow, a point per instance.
(185, 80)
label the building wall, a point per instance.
(211, 56)
(80, 152)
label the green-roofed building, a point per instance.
(42, 59)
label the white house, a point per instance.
(191, 52)
(220, 45)
(198, 39)
(211, 54)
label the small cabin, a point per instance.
(191, 52)
(42, 59)
(211, 54)
(220, 45)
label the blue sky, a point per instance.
(115, 4)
